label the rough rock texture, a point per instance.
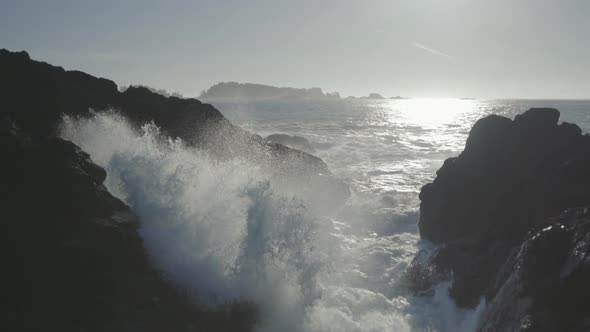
(35, 95)
(511, 177)
(544, 285)
(72, 258)
(72, 254)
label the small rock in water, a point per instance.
(295, 142)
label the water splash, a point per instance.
(229, 231)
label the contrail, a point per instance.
(432, 51)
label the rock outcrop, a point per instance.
(252, 91)
(512, 176)
(544, 284)
(373, 95)
(295, 142)
(72, 257)
(35, 95)
(72, 253)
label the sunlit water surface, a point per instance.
(387, 150)
(386, 146)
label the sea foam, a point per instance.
(227, 231)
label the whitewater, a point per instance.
(231, 230)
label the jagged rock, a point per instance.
(543, 286)
(72, 257)
(35, 95)
(511, 176)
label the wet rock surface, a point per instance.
(72, 252)
(72, 258)
(495, 213)
(543, 286)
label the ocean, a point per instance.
(226, 231)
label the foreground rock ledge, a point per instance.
(72, 257)
(495, 213)
(35, 95)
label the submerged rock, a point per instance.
(295, 142)
(511, 177)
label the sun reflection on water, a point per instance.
(433, 112)
(412, 137)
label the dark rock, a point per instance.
(295, 142)
(487, 135)
(72, 255)
(35, 95)
(543, 286)
(72, 258)
(537, 118)
(511, 176)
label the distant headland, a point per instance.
(253, 91)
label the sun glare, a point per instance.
(433, 112)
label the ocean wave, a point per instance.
(227, 231)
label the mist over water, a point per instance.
(230, 230)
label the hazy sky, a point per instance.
(417, 48)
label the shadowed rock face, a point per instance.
(511, 177)
(544, 284)
(72, 254)
(72, 257)
(35, 95)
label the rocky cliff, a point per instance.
(35, 96)
(496, 214)
(72, 258)
(72, 253)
